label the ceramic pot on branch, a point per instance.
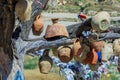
(56, 30)
(77, 47)
(65, 53)
(38, 25)
(45, 62)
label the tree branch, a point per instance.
(32, 46)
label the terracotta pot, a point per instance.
(107, 51)
(83, 54)
(55, 30)
(97, 45)
(91, 58)
(77, 47)
(23, 10)
(65, 53)
(54, 20)
(45, 63)
(116, 47)
(38, 25)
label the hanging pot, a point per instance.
(101, 21)
(91, 58)
(65, 53)
(83, 54)
(23, 10)
(77, 47)
(38, 25)
(107, 51)
(116, 47)
(56, 30)
(45, 62)
(54, 20)
(97, 45)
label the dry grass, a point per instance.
(27, 57)
(36, 75)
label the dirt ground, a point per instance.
(36, 75)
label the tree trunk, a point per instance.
(7, 59)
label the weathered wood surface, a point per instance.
(72, 30)
(23, 47)
(6, 28)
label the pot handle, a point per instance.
(38, 17)
(46, 52)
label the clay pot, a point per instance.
(77, 47)
(83, 55)
(97, 45)
(38, 25)
(45, 63)
(55, 30)
(54, 20)
(107, 51)
(91, 58)
(101, 21)
(65, 53)
(23, 10)
(116, 47)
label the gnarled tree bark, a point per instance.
(6, 29)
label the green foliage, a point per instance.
(110, 77)
(112, 73)
(113, 77)
(31, 64)
(68, 8)
(118, 0)
(72, 9)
